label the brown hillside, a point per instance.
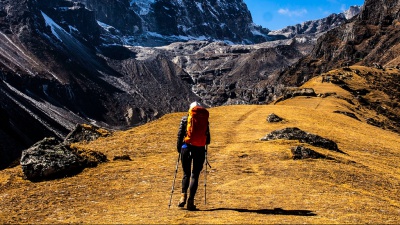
(251, 181)
(370, 37)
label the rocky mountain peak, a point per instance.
(352, 12)
(320, 26)
(160, 22)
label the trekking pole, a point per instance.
(173, 183)
(205, 177)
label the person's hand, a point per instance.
(181, 147)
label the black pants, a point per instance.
(197, 156)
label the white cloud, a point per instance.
(290, 13)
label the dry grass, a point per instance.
(251, 181)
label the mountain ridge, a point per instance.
(320, 26)
(369, 39)
(157, 23)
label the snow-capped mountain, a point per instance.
(160, 22)
(318, 27)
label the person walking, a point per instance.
(193, 136)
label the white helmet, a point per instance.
(194, 104)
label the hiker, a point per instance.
(193, 136)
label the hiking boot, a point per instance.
(182, 201)
(190, 205)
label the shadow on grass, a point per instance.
(276, 211)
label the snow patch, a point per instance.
(144, 6)
(104, 26)
(256, 32)
(178, 37)
(53, 25)
(199, 6)
(71, 28)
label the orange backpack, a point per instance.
(197, 125)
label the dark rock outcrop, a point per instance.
(52, 159)
(49, 159)
(87, 133)
(301, 152)
(273, 118)
(122, 158)
(349, 114)
(295, 92)
(294, 133)
(291, 93)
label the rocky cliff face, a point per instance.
(55, 75)
(352, 12)
(155, 23)
(370, 37)
(222, 74)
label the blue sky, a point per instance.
(277, 14)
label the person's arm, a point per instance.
(181, 133)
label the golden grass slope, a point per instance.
(250, 182)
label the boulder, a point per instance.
(273, 118)
(122, 158)
(327, 94)
(49, 159)
(301, 152)
(295, 92)
(290, 93)
(294, 133)
(84, 132)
